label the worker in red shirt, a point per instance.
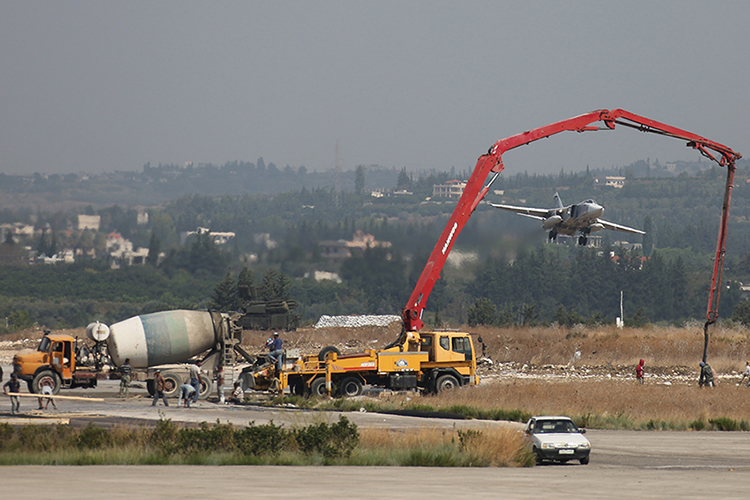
(639, 372)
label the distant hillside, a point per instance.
(159, 184)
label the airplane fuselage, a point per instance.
(576, 218)
(582, 218)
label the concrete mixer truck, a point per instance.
(161, 340)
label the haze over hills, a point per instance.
(155, 185)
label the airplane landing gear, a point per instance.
(582, 240)
(552, 236)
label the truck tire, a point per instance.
(150, 387)
(446, 383)
(206, 387)
(36, 384)
(318, 387)
(327, 349)
(297, 387)
(172, 383)
(350, 387)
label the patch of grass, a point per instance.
(728, 424)
(318, 444)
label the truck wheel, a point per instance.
(327, 349)
(446, 383)
(297, 388)
(205, 389)
(350, 386)
(150, 387)
(36, 384)
(318, 387)
(172, 383)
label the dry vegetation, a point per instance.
(589, 373)
(583, 372)
(489, 447)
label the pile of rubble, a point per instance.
(493, 371)
(356, 321)
(9, 348)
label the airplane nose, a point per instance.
(597, 210)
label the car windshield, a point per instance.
(555, 426)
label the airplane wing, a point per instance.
(534, 213)
(617, 227)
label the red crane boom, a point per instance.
(492, 162)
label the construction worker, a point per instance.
(187, 392)
(159, 386)
(125, 372)
(639, 371)
(14, 385)
(196, 379)
(706, 377)
(275, 350)
(746, 373)
(220, 384)
(47, 389)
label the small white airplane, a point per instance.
(582, 218)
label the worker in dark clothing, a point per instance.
(706, 378)
(125, 372)
(159, 386)
(14, 386)
(275, 350)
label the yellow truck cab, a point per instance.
(431, 361)
(55, 360)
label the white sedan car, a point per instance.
(557, 439)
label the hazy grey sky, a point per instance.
(104, 85)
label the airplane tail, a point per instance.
(558, 201)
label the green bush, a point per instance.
(466, 437)
(728, 424)
(92, 438)
(219, 437)
(331, 441)
(163, 436)
(697, 425)
(258, 440)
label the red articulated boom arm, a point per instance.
(492, 162)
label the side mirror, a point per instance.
(479, 339)
(583, 431)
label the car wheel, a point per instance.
(537, 456)
(585, 461)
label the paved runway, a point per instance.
(624, 464)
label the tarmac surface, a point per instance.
(642, 464)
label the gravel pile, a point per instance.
(356, 321)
